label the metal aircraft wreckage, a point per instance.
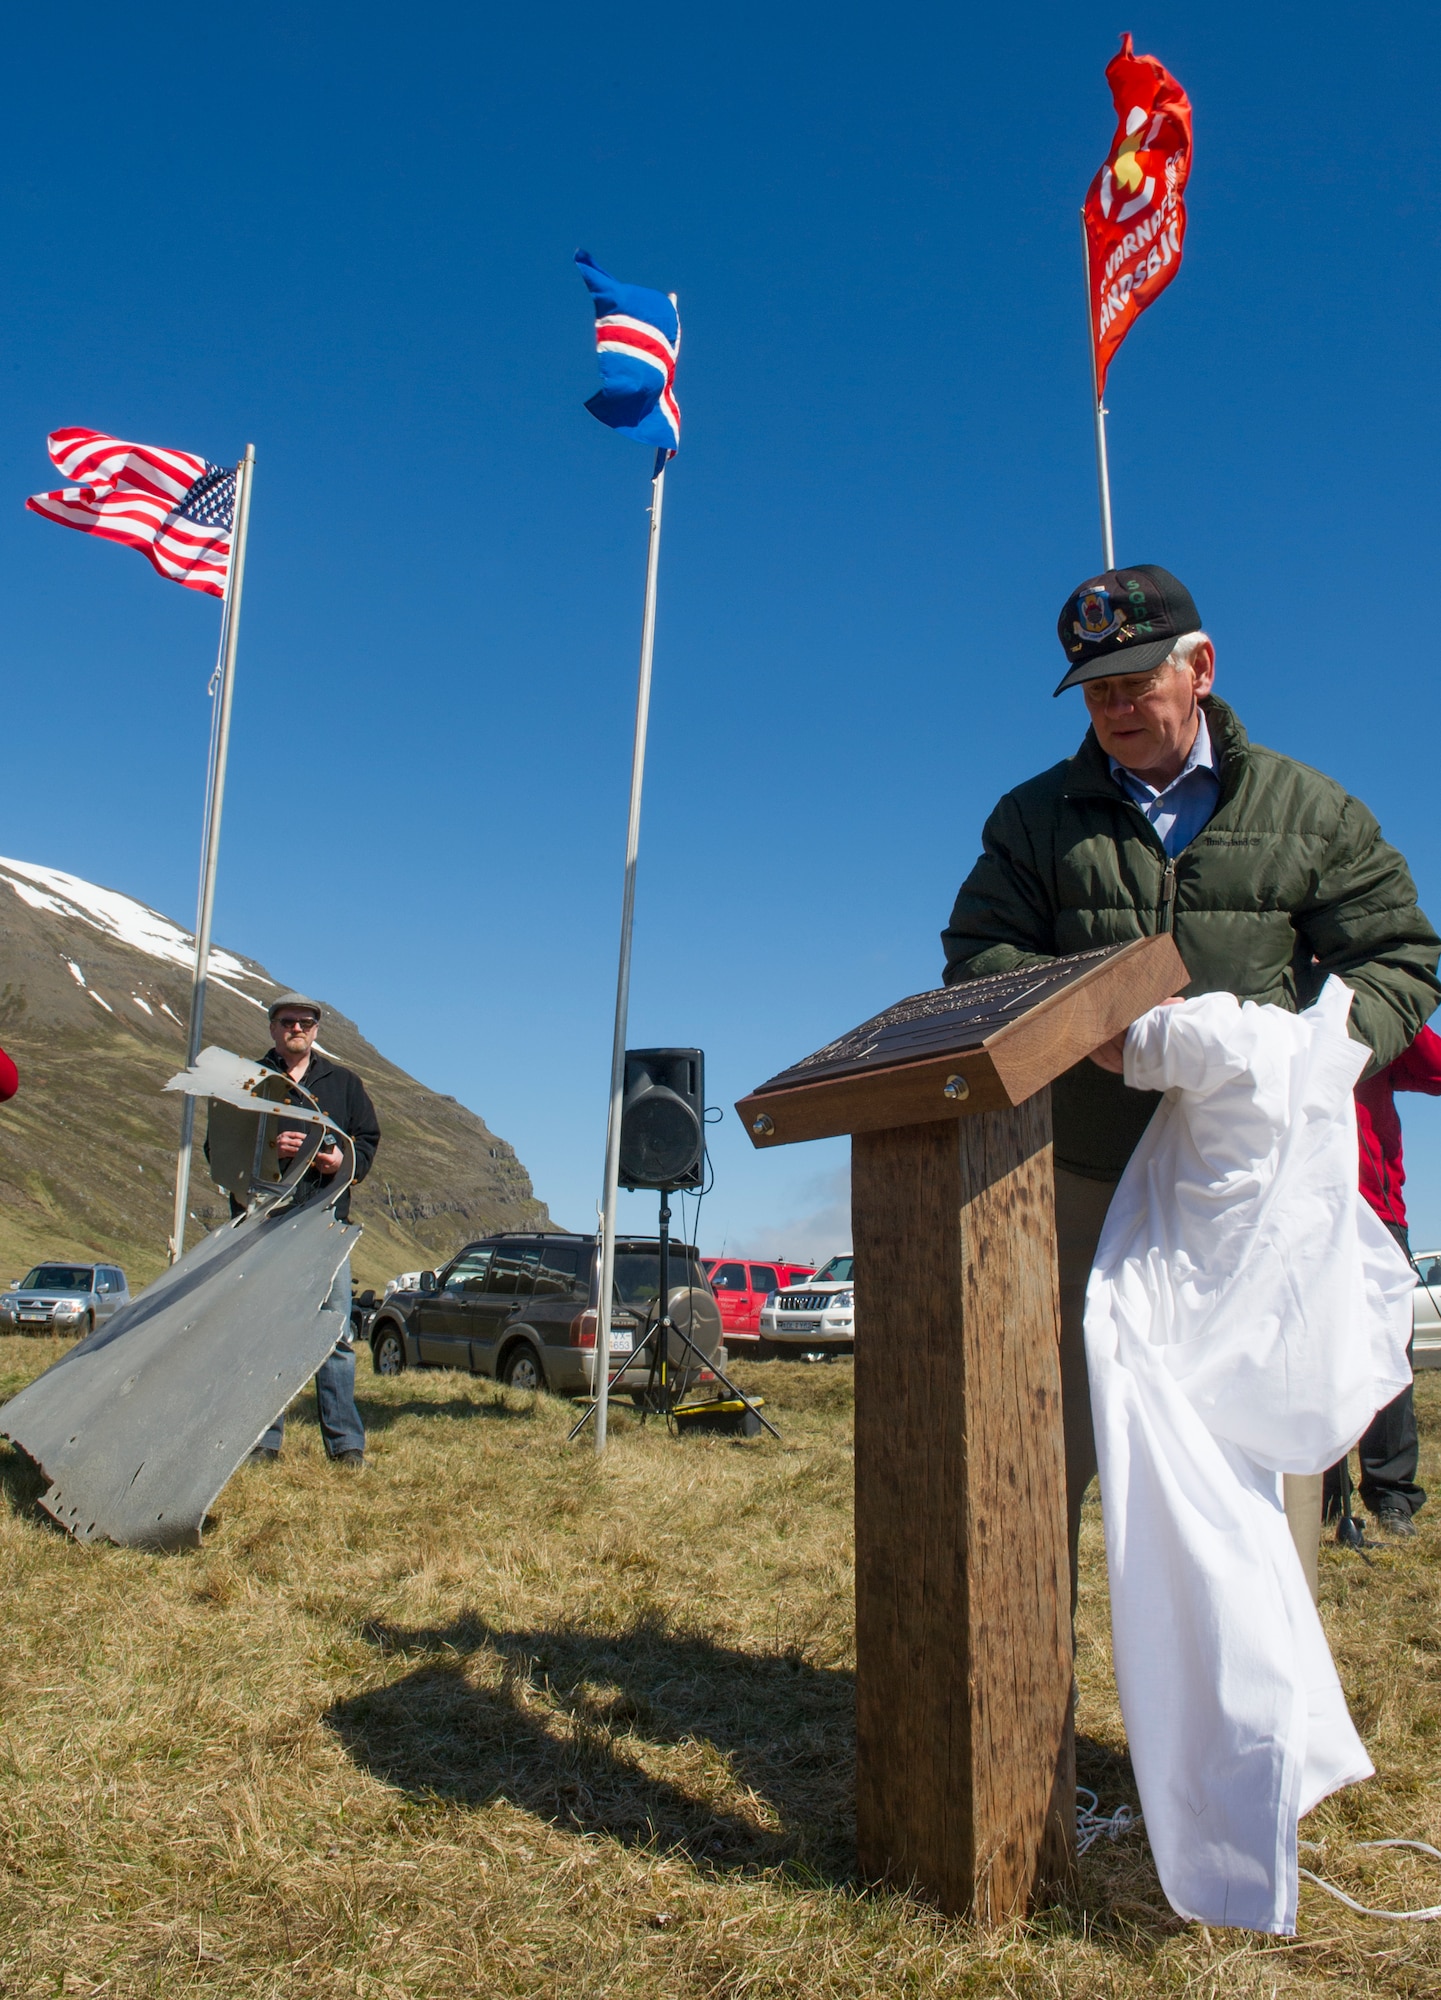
(139, 1427)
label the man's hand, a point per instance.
(1111, 1055)
(326, 1162)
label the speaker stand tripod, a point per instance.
(659, 1396)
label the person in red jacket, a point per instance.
(9, 1077)
(1388, 1448)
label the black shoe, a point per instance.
(263, 1454)
(355, 1458)
(1395, 1521)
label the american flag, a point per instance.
(177, 509)
(637, 336)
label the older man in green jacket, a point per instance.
(1268, 874)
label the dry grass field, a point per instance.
(489, 1719)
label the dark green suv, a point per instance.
(522, 1309)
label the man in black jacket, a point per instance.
(294, 1023)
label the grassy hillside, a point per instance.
(494, 1719)
(87, 1148)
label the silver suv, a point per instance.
(815, 1316)
(1426, 1311)
(63, 1298)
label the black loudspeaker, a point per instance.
(662, 1119)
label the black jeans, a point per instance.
(1389, 1449)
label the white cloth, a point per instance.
(1246, 1316)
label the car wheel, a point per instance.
(522, 1369)
(387, 1354)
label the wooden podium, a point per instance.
(965, 1750)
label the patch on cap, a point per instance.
(1124, 621)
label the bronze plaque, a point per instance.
(947, 1021)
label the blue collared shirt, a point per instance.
(1185, 805)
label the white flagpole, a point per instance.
(622, 984)
(210, 846)
(1098, 412)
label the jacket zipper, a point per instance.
(1168, 896)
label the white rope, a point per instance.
(1093, 1825)
(1392, 1916)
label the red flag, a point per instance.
(1135, 216)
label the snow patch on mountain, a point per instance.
(122, 918)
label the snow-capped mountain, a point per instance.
(94, 996)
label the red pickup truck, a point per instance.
(742, 1288)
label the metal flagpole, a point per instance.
(1098, 411)
(622, 984)
(210, 845)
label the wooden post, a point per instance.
(965, 1751)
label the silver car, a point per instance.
(1426, 1311)
(63, 1298)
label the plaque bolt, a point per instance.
(763, 1126)
(956, 1088)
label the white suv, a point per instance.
(817, 1316)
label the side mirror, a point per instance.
(427, 1282)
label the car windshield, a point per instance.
(837, 1272)
(637, 1274)
(59, 1278)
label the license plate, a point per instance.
(33, 1318)
(622, 1340)
(797, 1325)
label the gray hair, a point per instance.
(1185, 650)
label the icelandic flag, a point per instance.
(637, 336)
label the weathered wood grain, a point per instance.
(1059, 1031)
(965, 1754)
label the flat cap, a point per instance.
(297, 1001)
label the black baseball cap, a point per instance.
(1124, 621)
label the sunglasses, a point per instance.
(288, 1022)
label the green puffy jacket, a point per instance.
(1290, 881)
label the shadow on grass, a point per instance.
(22, 1482)
(559, 1723)
(1107, 1772)
(382, 1416)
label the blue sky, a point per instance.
(346, 235)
